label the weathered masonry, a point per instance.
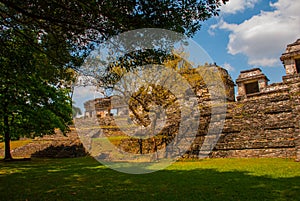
(263, 121)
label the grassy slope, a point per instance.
(16, 144)
(212, 179)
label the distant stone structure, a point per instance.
(98, 107)
(263, 121)
(102, 107)
(251, 82)
(291, 58)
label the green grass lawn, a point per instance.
(211, 179)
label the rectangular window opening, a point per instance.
(252, 88)
(297, 65)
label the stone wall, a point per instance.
(264, 124)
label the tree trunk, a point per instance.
(7, 155)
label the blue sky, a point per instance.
(251, 33)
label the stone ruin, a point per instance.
(51, 146)
(97, 107)
(250, 83)
(262, 121)
(291, 59)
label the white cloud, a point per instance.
(221, 25)
(228, 67)
(264, 37)
(234, 6)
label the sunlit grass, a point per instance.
(16, 144)
(271, 167)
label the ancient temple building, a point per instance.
(97, 107)
(263, 120)
(291, 58)
(251, 82)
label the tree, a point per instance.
(82, 22)
(75, 111)
(34, 94)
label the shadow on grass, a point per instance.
(86, 179)
(61, 151)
